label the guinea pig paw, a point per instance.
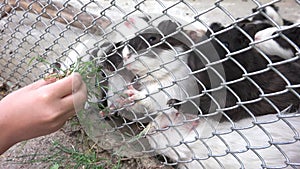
(105, 112)
(133, 94)
(123, 101)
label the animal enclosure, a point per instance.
(191, 84)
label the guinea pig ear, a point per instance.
(95, 52)
(276, 8)
(113, 62)
(146, 18)
(174, 103)
(251, 29)
(114, 59)
(216, 26)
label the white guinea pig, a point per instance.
(196, 142)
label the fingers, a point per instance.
(67, 95)
(66, 86)
(80, 97)
(67, 106)
(76, 100)
(40, 83)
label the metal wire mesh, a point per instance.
(166, 79)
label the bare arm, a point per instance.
(39, 109)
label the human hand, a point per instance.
(39, 108)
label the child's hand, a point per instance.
(39, 109)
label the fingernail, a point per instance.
(77, 81)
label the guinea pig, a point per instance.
(248, 26)
(192, 141)
(278, 46)
(272, 12)
(115, 79)
(238, 36)
(252, 84)
(160, 65)
(158, 71)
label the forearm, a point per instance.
(7, 137)
(6, 142)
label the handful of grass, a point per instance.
(87, 69)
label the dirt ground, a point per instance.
(43, 152)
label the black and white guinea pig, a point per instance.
(158, 64)
(238, 36)
(161, 65)
(238, 60)
(115, 79)
(111, 53)
(192, 141)
(278, 45)
(272, 12)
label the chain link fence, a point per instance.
(193, 84)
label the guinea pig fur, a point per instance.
(198, 142)
(162, 70)
(272, 12)
(237, 65)
(278, 46)
(116, 80)
(170, 72)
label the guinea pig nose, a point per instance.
(257, 37)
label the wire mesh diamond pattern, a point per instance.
(212, 84)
